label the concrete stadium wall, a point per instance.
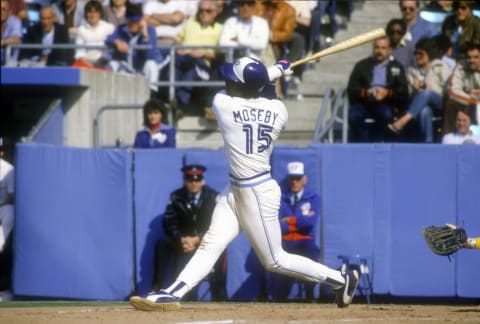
(87, 219)
(81, 93)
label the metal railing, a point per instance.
(171, 83)
(97, 123)
(333, 113)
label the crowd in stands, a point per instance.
(420, 75)
(135, 37)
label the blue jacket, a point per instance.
(303, 219)
(123, 33)
(163, 137)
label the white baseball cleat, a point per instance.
(344, 295)
(160, 301)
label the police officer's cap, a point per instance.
(193, 172)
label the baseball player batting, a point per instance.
(250, 120)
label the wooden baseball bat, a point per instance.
(346, 44)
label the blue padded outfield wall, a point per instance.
(74, 226)
(87, 219)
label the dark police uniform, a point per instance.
(185, 217)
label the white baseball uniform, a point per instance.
(250, 203)
(7, 187)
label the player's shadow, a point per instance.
(146, 263)
(253, 287)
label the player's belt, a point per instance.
(251, 181)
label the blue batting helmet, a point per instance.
(246, 71)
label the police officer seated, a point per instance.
(186, 219)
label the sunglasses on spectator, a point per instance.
(462, 8)
(420, 53)
(205, 10)
(408, 9)
(396, 31)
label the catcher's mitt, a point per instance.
(445, 240)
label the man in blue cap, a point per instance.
(122, 55)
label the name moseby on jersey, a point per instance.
(254, 115)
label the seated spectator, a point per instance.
(198, 63)
(187, 217)
(463, 88)
(11, 33)
(115, 12)
(46, 32)
(71, 14)
(402, 50)
(122, 55)
(462, 133)
(94, 31)
(299, 214)
(7, 189)
(428, 80)
(167, 17)
(462, 28)
(245, 29)
(417, 27)
(156, 133)
(376, 88)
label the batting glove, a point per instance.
(284, 66)
(278, 70)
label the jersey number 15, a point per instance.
(263, 138)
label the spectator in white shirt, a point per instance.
(94, 31)
(167, 17)
(245, 29)
(463, 133)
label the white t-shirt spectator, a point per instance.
(458, 138)
(159, 7)
(92, 35)
(253, 35)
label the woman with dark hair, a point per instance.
(155, 134)
(94, 31)
(427, 82)
(115, 12)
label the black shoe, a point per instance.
(344, 295)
